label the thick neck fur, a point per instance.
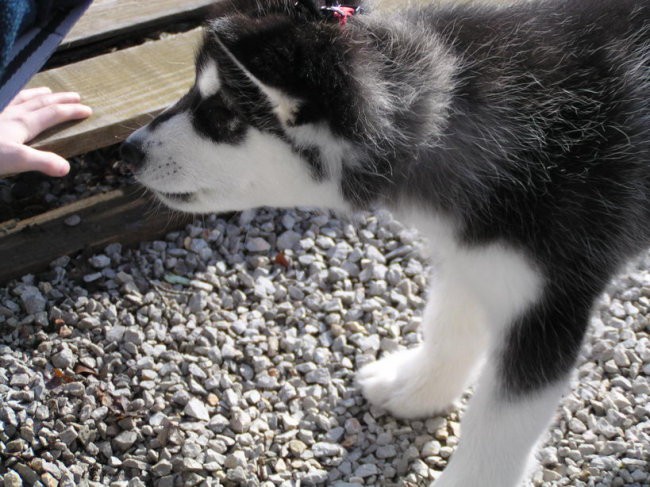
(476, 109)
(404, 80)
(536, 136)
(518, 123)
(527, 125)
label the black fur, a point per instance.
(312, 156)
(212, 117)
(545, 143)
(576, 195)
(520, 132)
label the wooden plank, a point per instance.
(125, 90)
(118, 216)
(115, 18)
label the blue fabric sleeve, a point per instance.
(15, 16)
(30, 31)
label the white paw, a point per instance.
(409, 384)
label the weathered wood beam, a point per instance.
(124, 88)
(121, 216)
(117, 18)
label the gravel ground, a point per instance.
(32, 193)
(225, 355)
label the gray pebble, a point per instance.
(235, 459)
(265, 381)
(191, 465)
(125, 440)
(288, 240)
(12, 479)
(166, 481)
(33, 301)
(68, 435)
(100, 261)
(315, 476)
(74, 389)
(551, 476)
(240, 421)
(318, 376)
(20, 380)
(577, 426)
(95, 276)
(620, 357)
(352, 426)
(134, 335)
(257, 244)
(115, 333)
(297, 447)
(27, 474)
(134, 464)
(325, 449)
(386, 451)
(366, 470)
(335, 434)
(63, 359)
(72, 221)
(196, 409)
(374, 254)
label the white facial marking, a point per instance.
(261, 170)
(332, 149)
(208, 81)
(284, 106)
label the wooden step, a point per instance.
(116, 18)
(90, 224)
(125, 89)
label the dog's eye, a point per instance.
(214, 108)
(215, 119)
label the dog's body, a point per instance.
(517, 140)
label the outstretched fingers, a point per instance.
(30, 113)
(41, 119)
(35, 110)
(17, 158)
(28, 94)
(47, 99)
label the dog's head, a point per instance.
(268, 120)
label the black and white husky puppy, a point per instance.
(516, 139)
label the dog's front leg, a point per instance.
(532, 354)
(498, 435)
(429, 378)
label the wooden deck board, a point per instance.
(125, 89)
(116, 18)
(118, 216)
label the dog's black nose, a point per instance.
(132, 154)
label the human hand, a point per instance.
(31, 112)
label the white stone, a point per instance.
(196, 408)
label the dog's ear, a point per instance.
(300, 66)
(310, 8)
(306, 9)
